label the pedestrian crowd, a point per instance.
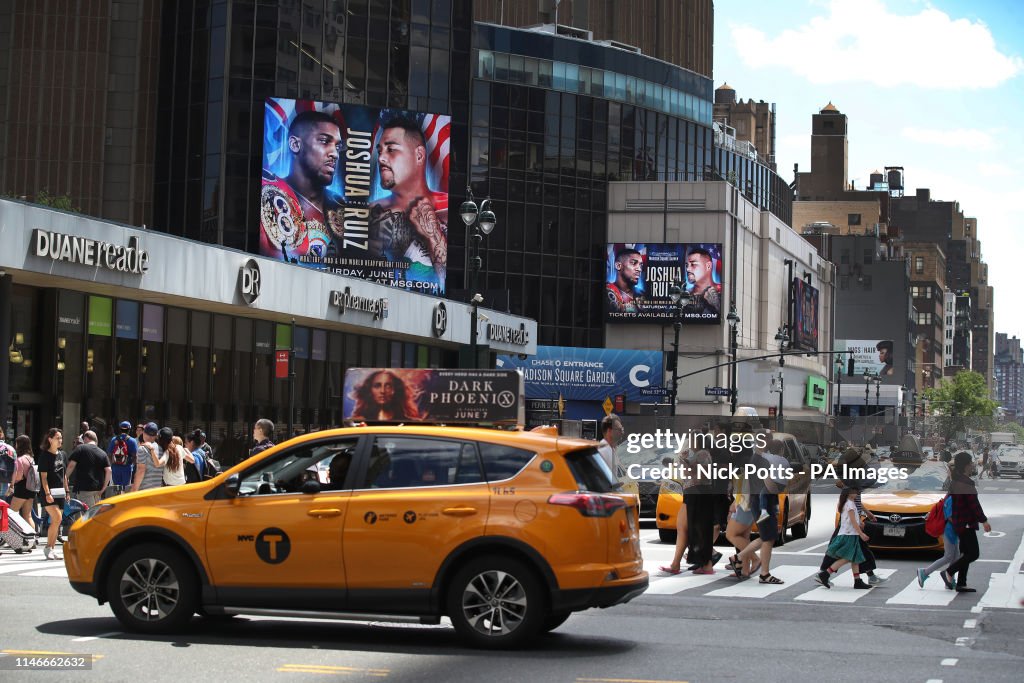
(47, 487)
(743, 505)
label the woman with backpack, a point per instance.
(51, 462)
(25, 481)
(964, 517)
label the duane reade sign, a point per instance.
(57, 246)
(347, 301)
(508, 334)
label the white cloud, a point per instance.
(997, 170)
(965, 138)
(862, 41)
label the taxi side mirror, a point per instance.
(232, 485)
(311, 486)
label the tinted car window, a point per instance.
(403, 462)
(503, 462)
(591, 471)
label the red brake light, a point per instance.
(589, 504)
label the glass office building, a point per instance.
(553, 120)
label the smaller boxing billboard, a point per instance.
(418, 395)
(639, 280)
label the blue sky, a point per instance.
(935, 87)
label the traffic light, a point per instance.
(849, 367)
(670, 362)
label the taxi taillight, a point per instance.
(589, 504)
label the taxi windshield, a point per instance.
(930, 480)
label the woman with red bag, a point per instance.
(965, 517)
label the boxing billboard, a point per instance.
(639, 280)
(357, 190)
(805, 316)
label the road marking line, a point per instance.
(21, 566)
(841, 593)
(624, 680)
(328, 667)
(1006, 590)
(60, 572)
(807, 550)
(949, 662)
(669, 584)
(311, 671)
(933, 593)
(753, 588)
(964, 641)
(86, 639)
(970, 623)
(934, 680)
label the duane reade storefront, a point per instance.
(105, 322)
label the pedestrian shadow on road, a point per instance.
(322, 635)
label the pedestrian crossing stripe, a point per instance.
(841, 592)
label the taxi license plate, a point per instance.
(898, 531)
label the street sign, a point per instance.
(541, 404)
(717, 391)
(771, 411)
(620, 403)
(607, 405)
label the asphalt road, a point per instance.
(685, 628)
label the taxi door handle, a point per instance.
(459, 512)
(324, 512)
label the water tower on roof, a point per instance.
(894, 174)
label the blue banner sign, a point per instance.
(579, 374)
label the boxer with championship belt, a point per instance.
(297, 214)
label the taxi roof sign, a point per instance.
(434, 396)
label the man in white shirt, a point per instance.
(611, 430)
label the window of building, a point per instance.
(919, 264)
(853, 219)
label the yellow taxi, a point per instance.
(900, 507)
(505, 532)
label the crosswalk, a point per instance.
(997, 586)
(1000, 583)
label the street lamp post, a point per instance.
(839, 385)
(676, 294)
(782, 337)
(479, 221)
(878, 387)
(867, 389)
(734, 323)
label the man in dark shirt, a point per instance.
(261, 433)
(90, 463)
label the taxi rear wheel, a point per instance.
(152, 588)
(667, 535)
(497, 602)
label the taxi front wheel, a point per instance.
(497, 602)
(152, 588)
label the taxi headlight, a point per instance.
(670, 486)
(97, 510)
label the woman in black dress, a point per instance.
(50, 462)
